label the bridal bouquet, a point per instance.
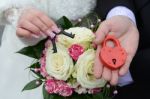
(64, 64)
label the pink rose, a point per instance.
(42, 61)
(75, 51)
(64, 89)
(48, 43)
(51, 86)
(58, 87)
(43, 69)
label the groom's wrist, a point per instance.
(121, 10)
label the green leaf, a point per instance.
(98, 96)
(64, 23)
(46, 95)
(106, 91)
(87, 21)
(33, 66)
(57, 97)
(82, 96)
(32, 85)
(34, 51)
(38, 74)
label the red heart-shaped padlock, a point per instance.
(113, 57)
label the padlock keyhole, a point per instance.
(114, 61)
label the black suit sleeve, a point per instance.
(104, 6)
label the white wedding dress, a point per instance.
(13, 73)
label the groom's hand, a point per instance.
(126, 32)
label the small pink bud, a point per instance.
(79, 20)
(36, 70)
(108, 86)
(99, 20)
(115, 92)
(92, 26)
(37, 82)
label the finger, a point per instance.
(134, 39)
(23, 33)
(125, 68)
(30, 27)
(46, 20)
(98, 66)
(50, 24)
(102, 31)
(114, 78)
(37, 22)
(106, 74)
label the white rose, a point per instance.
(60, 64)
(84, 68)
(83, 37)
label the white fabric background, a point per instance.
(1, 32)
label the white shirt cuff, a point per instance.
(125, 80)
(121, 10)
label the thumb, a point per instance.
(102, 31)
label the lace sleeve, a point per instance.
(10, 10)
(10, 16)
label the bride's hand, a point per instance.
(34, 23)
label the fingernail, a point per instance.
(50, 33)
(35, 36)
(55, 29)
